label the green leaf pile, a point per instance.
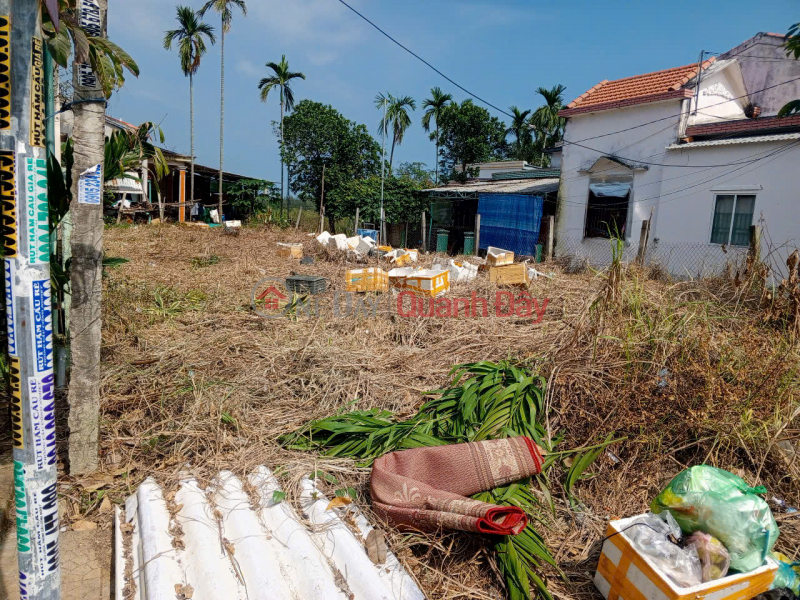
(486, 400)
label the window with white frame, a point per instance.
(733, 216)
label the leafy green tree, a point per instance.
(520, 130)
(280, 78)
(225, 10)
(433, 108)
(317, 135)
(792, 45)
(191, 37)
(468, 134)
(125, 151)
(250, 196)
(417, 172)
(548, 125)
(397, 119)
(401, 201)
(106, 58)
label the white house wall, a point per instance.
(647, 142)
(686, 205)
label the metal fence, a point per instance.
(682, 260)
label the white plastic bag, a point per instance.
(650, 538)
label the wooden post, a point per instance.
(755, 243)
(551, 225)
(322, 202)
(643, 241)
(300, 214)
(182, 197)
(355, 229)
(405, 241)
(424, 233)
(477, 234)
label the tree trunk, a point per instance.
(86, 274)
(221, 117)
(391, 154)
(437, 153)
(191, 125)
(282, 195)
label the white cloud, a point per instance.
(321, 58)
(248, 68)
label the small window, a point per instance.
(733, 216)
(607, 210)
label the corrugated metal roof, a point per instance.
(232, 541)
(535, 186)
(777, 137)
(528, 174)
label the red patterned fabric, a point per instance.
(427, 489)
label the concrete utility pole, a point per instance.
(86, 281)
(26, 240)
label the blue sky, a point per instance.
(502, 51)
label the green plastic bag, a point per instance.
(705, 498)
(788, 575)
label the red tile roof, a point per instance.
(744, 126)
(639, 89)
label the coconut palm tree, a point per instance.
(545, 119)
(396, 118)
(225, 10)
(433, 108)
(520, 129)
(190, 37)
(280, 78)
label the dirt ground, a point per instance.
(685, 372)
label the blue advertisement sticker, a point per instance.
(42, 325)
(12, 330)
(43, 420)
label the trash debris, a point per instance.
(458, 271)
(233, 224)
(650, 535)
(496, 257)
(323, 238)
(338, 242)
(307, 260)
(713, 555)
(416, 488)
(663, 376)
(368, 233)
(306, 284)
(372, 279)
(705, 498)
(788, 575)
(290, 250)
(516, 275)
(398, 257)
(429, 282)
(214, 214)
(623, 571)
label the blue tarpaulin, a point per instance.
(510, 222)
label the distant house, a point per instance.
(697, 150)
(511, 198)
(142, 186)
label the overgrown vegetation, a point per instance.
(681, 372)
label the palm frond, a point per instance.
(485, 400)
